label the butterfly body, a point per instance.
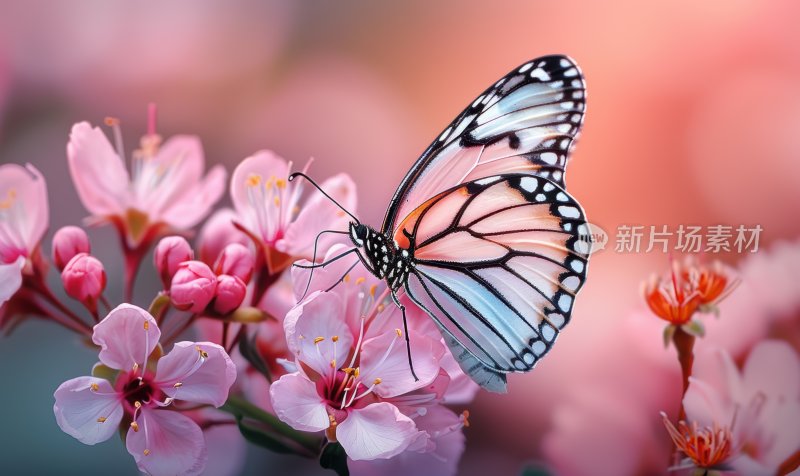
(481, 234)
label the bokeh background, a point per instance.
(693, 118)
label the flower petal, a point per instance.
(126, 337)
(89, 415)
(98, 172)
(263, 164)
(773, 368)
(385, 357)
(195, 203)
(378, 430)
(321, 315)
(227, 448)
(23, 203)
(297, 402)
(200, 379)
(167, 443)
(445, 444)
(319, 213)
(10, 278)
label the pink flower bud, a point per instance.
(84, 278)
(230, 293)
(169, 254)
(193, 286)
(68, 242)
(236, 260)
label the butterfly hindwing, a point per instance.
(497, 263)
(525, 123)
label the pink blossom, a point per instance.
(165, 188)
(759, 405)
(217, 233)
(272, 210)
(229, 294)
(193, 286)
(236, 260)
(23, 220)
(91, 409)
(68, 242)
(169, 254)
(84, 279)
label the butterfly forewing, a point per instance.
(525, 123)
(497, 264)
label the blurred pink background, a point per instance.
(693, 118)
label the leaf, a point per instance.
(159, 304)
(250, 315)
(333, 457)
(241, 408)
(249, 350)
(669, 333)
(694, 328)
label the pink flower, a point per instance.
(757, 407)
(193, 286)
(217, 233)
(166, 188)
(68, 242)
(23, 220)
(169, 254)
(346, 382)
(229, 294)
(273, 212)
(139, 397)
(236, 260)
(84, 279)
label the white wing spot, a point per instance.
(581, 247)
(549, 158)
(540, 74)
(526, 67)
(577, 95)
(548, 332)
(569, 212)
(564, 302)
(564, 63)
(562, 197)
(557, 175)
(488, 180)
(556, 319)
(445, 133)
(529, 184)
(571, 283)
(539, 347)
(519, 365)
(564, 128)
(576, 83)
(529, 358)
(571, 72)
(567, 104)
(564, 144)
(477, 101)
(567, 226)
(541, 197)
(577, 265)
(548, 186)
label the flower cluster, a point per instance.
(270, 361)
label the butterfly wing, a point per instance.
(524, 123)
(497, 264)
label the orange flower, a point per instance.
(688, 288)
(706, 447)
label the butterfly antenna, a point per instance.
(312, 182)
(325, 263)
(314, 258)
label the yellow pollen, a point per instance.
(333, 363)
(178, 385)
(340, 213)
(135, 366)
(335, 338)
(253, 180)
(398, 332)
(372, 290)
(332, 419)
(381, 307)
(346, 278)
(94, 387)
(111, 121)
(377, 381)
(135, 426)
(347, 370)
(137, 404)
(295, 209)
(202, 353)
(5, 204)
(357, 371)
(277, 202)
(102, 419)
(280, 183)
(465, 414)
(146, 325)
(360, 280)
(317, 340)
(146, 452)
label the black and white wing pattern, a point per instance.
(497, 264)
(525, 123)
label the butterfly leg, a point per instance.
(405, 330)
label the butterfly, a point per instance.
(481, 233)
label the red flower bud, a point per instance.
(193, 286)
(236, 260)
(68, 242)
(231, 291)
(84, 278)
(169, 254)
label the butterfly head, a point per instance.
(358, 233)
